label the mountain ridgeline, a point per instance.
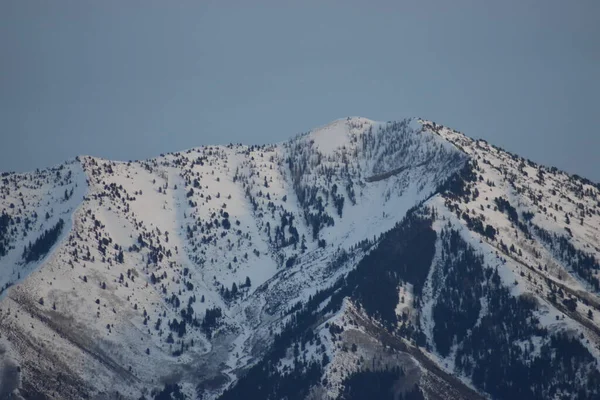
(399, 260)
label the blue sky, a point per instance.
(132, 79)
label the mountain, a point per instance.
(363, 259)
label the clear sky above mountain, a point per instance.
(131, 79)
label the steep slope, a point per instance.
(480, 283)
(402, 253)
(185, 264)
(31, 205)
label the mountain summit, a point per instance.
(363, 259)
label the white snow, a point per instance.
(178, 204)
(336, 134)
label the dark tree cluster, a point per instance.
(302, 162)
(338, 200)
(476, 224)
(504, 206)
(584, 265)
(377, 385)
(281, 240)
(458, 305)
(211, 320)
(403, 254)
(340, 258)
(41, 246)
(489, 351)
(5, 222)
(459, 185)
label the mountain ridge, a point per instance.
(206, 262)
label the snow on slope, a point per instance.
(337, 134)
(512, 198)
(158, 245)
(495, 213)
(32, 203)
(181, 268)
(542, 197)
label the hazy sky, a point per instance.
(130, 79)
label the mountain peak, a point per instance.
(337, 134)
(301, 256)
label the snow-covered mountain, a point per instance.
(362, 259)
